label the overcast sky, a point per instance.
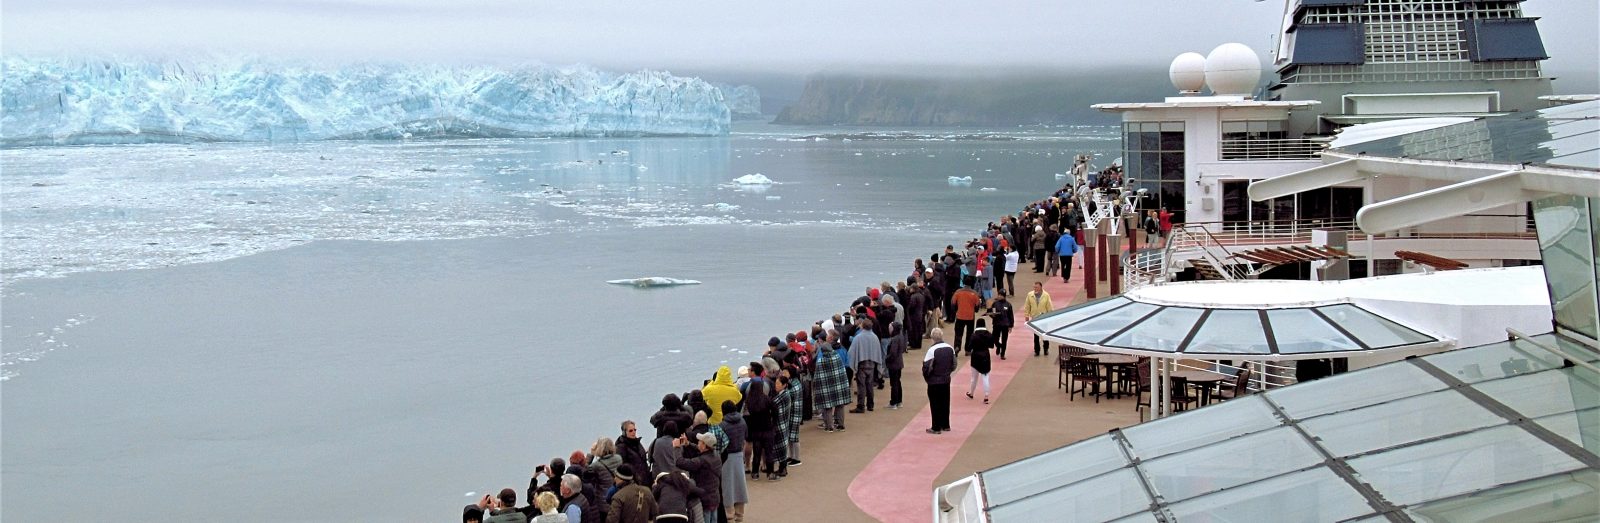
(793, 36)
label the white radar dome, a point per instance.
(1188, 72)
(1233, 69)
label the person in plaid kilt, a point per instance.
(789, 405)
(832, 386)
(780, 438)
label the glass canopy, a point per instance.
(1563, 136)
(1500, 432)
(1120, 324)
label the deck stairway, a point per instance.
(1233, 255)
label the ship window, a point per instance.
(1491, 40)
(1329, 44)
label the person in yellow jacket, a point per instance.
(719, 390)
(1037, 304)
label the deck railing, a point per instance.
(1215, 241)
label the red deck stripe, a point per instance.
(897, 485)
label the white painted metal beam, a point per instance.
(1445, 202)
(1342, 171)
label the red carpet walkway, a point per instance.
(898, 484)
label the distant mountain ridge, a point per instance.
(1021, 99)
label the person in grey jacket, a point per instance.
(663, 454)
(866, 355)
(735, 491)
(937, 365)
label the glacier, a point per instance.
(744, 101)
(67, 101)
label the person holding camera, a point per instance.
(500, 508)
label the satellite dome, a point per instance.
(1188, 72)
(1233, 69)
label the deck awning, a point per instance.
(1278, 320)
(1123, 325)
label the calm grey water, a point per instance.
(272, 354)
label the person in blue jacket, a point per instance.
(1066, 247)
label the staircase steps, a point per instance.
(1206, 270)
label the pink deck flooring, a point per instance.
(897, 485)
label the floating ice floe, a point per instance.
(619, 152)
(723, 207)
(754, 179)
(774, 197)
(960, 180)
(988, 189)
(1061, 176)
(653, 281)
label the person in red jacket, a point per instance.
(1165, 218)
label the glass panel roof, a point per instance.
(1425, 448)
(1301, 331)
(1103, 498)
(1052, 469)
(1121, 323)
(1548, 392)
(1142, 517)
(1565, 135)
(1371, 329)
(1355, 389)
(1098, 328)
(1581, 427)
(1230, 463)
(1230, 331)
(1164, 331)
(1069, 315)
(1498, 360)
(1562, 497)
(1310, 496)
(1399, 422)
(1179, 433)
(1444, 468)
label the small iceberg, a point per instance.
(754, 179)
(653, 281)
(960, 180)
(1061, 176)
(988, 189)
(619, 152)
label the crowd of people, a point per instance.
(743, 425)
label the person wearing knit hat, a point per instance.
(631, 502)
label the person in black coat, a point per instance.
(761, 418)
(978, 347)
(1004, 319)
(937, 365)
(952, 283)
(633, 453)
(671, 410)
(916, 313)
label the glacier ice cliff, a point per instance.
(84, 101)
(744, 101)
